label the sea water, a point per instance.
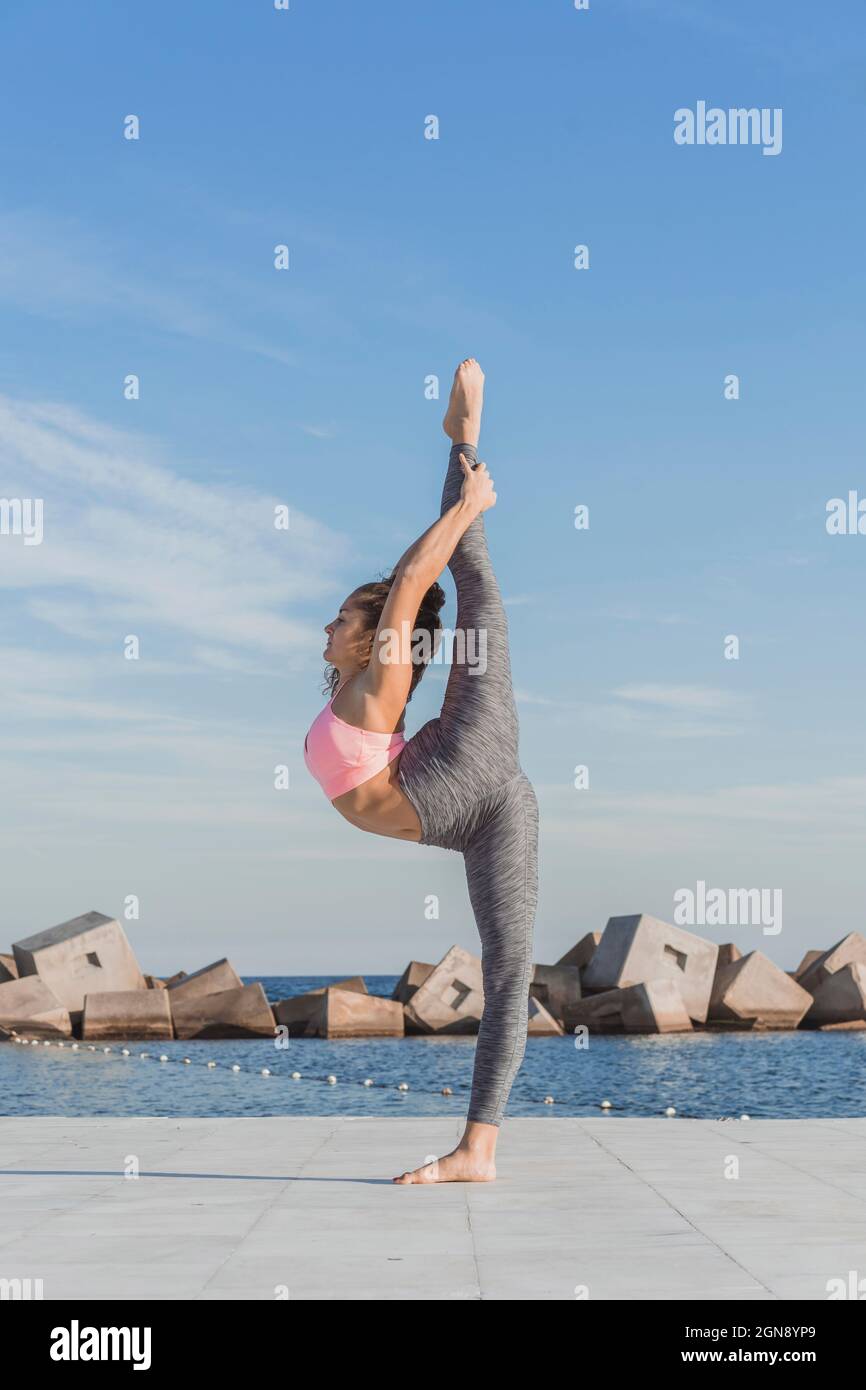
(703, 1074)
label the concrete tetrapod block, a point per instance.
(557, 987)
(154, 982)
(85, 955)
(451, 999)
(654, 1006)
(211, 979)
(344, 1013)
(296, 1012)
(541, 1023)
(840, 1001)
(582, 953)
(30, 1008)
(8, 968)
(413, 976)
(230, 1013)
(850, 949)
(754, 992)
(132, 1013)
(809, 959)
(728, 953)
(640, 948)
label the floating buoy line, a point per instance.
(606, 1106)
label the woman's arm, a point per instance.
(389, 675)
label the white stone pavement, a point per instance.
(234, 1208)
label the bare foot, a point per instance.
(459, 1166)
(462, 422)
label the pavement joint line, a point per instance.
(480, 1262)
(467, 1193)
(673, 1207)
(277, 1193)
(795, 1168)
(81, 1203)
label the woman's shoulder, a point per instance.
(355, 704)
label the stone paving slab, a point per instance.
(241, 1208)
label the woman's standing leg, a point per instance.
(502, 876)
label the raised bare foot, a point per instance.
(462, 422)
(460, 1165)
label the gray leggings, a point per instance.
(463, 776)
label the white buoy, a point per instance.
(548, 1100)
(61, 1044)
(235, 1067)
(144, 1055)
(745, 1117)
(670, 1110)
(265, 1071)
(187, 1062)
(106, 1049)
(296, 1076)
(124, 1052)
(46, 1043)
(211, 1064)
(606, 1105)
(91, 1048)
(163, 1058)
(75, 1047)
(332, 1080)
(368, 1082)
(404, 1086)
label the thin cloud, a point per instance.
(694, 698)
(131, 546)
(320, 431)
(81, 282)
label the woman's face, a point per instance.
(350, 642)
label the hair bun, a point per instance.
(434, 598)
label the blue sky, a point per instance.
(306, 387)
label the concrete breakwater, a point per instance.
(640, 975)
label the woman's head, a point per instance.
(351, 633)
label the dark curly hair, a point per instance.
(370, 598)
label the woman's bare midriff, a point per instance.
(381, 806)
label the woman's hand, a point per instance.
(477, 490)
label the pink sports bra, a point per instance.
(341, 757)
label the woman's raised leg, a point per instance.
(478, 721)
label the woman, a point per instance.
(458, 782)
